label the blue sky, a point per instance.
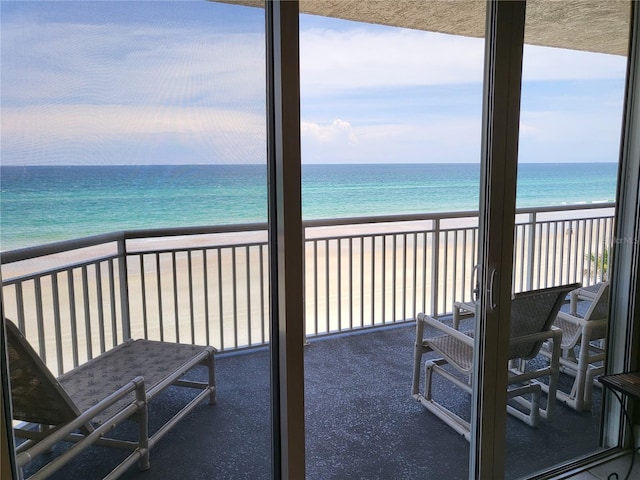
(183, 82)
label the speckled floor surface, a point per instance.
(361, 422)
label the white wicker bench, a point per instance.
(82, 405)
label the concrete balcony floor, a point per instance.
(360, 422)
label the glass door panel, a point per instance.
(571, 113)
(391, 134)
(135, 134)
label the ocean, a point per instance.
(41, 204)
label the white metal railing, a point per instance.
(209, 285)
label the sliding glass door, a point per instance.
(560, 148)
(568, 161)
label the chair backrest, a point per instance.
(534, 312)
(599, 308)
(36, 395)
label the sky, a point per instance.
(183, 82)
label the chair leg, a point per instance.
(532, 418)
(143, 428)
(592, 372)
(418, 351)
(454, 421)
(456, 315)
(428, 379)
(211, 365)
(554, 376)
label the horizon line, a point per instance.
(264, 164)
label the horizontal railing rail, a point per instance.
(209, 285)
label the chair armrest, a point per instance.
(446, 329)
(554, 333)
(136, 385)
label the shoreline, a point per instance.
(453, 219)
(52, 203)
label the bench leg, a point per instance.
(212, 380)
(143, 428)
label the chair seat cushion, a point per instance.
(455, 352)
(570, 332)
(91, 382)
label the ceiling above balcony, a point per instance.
(592, 25)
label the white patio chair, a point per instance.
(532, 316)
(588, 332)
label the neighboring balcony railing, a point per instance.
(209, 285)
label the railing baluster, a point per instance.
(589, 255)
(435, 266)
(456, 254)
(143, 288)
(55, 291)
(159, 287)
(361, 281)
(205, 282)
(538, 257)
(445, 276)
(112, 299)
(315, 287)
(40, 319)
(415, 277)
(563, 234)
(394, 271)
(383, 268)
(599, 256)
(339, 281)
(583, 250)
(234, 284)
(573, 252)
(87, 311)
(72, 317)
(523, 264)
(248, 273)
(424, 271)
(176, 311)
(262, 295)
(123, 275)
(220, 297)
(552, 258)
(100, 300)
(373, 279)
(191, 299)
(20, 306)
(351, 283)
(533, 220)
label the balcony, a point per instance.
(364, 285)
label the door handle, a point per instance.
(492, 282)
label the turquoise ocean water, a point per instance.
(44, 204)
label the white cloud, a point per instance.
(129, 134)
(557, 136)
(361, 58)
(546, 63)
(84, 87)
(130, 64)
(338, 130)
(437, 139)
(110, 93)
(78, 122)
